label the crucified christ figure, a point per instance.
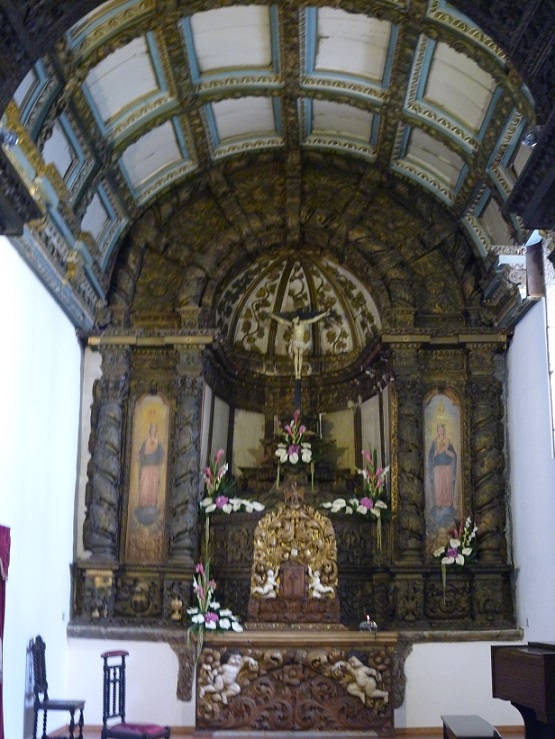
(297, 344)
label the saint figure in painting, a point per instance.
(151, 457)
(442, 468)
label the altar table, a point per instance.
(297, 679)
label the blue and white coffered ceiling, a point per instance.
(134, 103)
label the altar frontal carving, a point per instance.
(317, 688)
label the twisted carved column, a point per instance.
(488, 461)
(183, 511)
(102, 497)
(410, 520)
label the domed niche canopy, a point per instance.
(293, 284)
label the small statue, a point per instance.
(361, 680)
(315, 588)
(222, 682)
(293, 495)
(269, 589)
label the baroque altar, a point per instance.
(296, 667)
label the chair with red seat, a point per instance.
(113, 704)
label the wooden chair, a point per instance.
(113, 704)
(42, 700)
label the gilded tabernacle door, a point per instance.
(144, 543)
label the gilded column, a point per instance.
(102, 497)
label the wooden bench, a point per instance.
(468, 727)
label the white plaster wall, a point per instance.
(452, 678)
(150, 687)
(40, 390)
(532, 477)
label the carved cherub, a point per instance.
(223, 685)
(270, 586)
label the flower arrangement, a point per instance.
(229, 505)
(373, 501)
(293, 448)
(460, 549)
(218, 495)
(219, 489)
(214, 474)
(208, 613)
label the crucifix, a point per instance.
(298, 321)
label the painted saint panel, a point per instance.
(443, 483)
(147, 481)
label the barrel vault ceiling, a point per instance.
(254, 157)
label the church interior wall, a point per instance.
(41, 380)
(532, 475)
(38, 504)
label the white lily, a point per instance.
(236, 626)
(225, 623)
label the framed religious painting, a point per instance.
(144, 541)
(443, 465)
